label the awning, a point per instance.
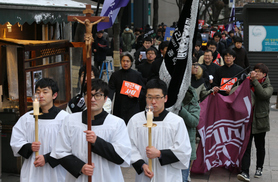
(44, 13)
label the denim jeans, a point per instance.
(185, 173)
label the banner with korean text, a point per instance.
(224, 127)
(129, 88)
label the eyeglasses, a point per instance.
(156, 98)
(150, 53)
(97, 96)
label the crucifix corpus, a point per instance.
(86, 20)
(88, 37)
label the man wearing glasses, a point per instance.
(171, 148)
(229, 70)
(217, 59)
(209, 65)
(108, 137)
(145, 68)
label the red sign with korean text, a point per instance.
(212, 33)
(201, 22)
(227, 86)
(222, 27)
(130, 88)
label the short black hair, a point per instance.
(148, 39)
(138, 30)
(208, 51)
(163, 44)
(262, 67)
(237, 39)
(94, 69)
(48, 82)
(158, 84)
(194, 60)
(232, 31)
(98, 84)
(151, 49)
(217, 34)
(161, 30)
(230, 52)
(198, 43)
(128, 55)
(212, 42)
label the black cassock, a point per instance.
(125, 107)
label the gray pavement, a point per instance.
(270, 171)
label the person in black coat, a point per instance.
(241, 54)
(229, 70)
(163, 46)
(220, 45)
(125, 106)
(145, 68)
(140, 54)
(210, 66)
(100, 47)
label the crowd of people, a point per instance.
(118, 138)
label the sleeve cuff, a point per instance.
(138, 166)
(26, 150)
(167, 157)
(72, 164)
(52, 161)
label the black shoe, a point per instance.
(258, 173)
(243, 177)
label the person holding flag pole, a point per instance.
(262, 91)
(110, 144)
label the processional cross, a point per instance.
(88, 37)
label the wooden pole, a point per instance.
(88, 11)
(36, 131)
(89, 122)
(150, 144)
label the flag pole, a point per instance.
(210, 91)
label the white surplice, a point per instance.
(24, 132)
(171, 133)
(72, 141)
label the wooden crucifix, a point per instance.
(86, 20)
(88, 37)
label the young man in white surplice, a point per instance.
(43, 167)
(171, 148)
(108, 137)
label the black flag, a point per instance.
(176, 68)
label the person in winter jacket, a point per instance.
(128, 39)
(261, 94)
(190, 112)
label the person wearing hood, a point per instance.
(128, 39)
(125, 106)
(241, 54)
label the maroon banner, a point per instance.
(224, 127)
